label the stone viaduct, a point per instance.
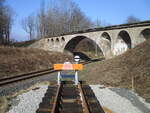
(112, 40)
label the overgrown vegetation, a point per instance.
(129, 69)
(22, 60)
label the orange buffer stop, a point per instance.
(68, 66)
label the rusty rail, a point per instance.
(17, 78)
(70, 99)
(86, 109)
(56, 99)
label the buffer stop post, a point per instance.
(67, 66)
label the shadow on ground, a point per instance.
(132, 97)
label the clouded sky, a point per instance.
(108, 11)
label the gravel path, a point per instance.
(120, 100)
(15, 87)
(28, 102)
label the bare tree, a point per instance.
(97, 23)
(79, 21)
(60, 17)
(9, 20)
(42, 20)
(132, 19)
(28, 24)
(6, 15)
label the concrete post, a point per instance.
(76, 78)
(58, 78)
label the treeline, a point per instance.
(5, 23)
(58, 17)
(55, 18)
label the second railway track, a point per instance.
(17, 78)
(69, 98)
(9, 80)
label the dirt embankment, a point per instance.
(121, 71)
(22, 60)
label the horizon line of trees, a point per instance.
(58, 17)
(53, 18)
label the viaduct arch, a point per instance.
(73, 43)
(112, 40)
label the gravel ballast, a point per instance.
(28, 102)
(117, 100)
(13, 88)
(120, 100)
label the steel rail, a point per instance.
(17, 78)
(20, 75)
(85, 105)
(56, 99)
(66, 99)
(24, 77)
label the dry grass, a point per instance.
(3, 104)
(119, 70)
(23, 43)
(22, 60)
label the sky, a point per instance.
(107, 11)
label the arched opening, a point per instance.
(47, 40)
(106, 44)
(84, 47)
(106, 36)
(57, 40)
(145, 34)
(124, 36)
(106, 40)
(57, 43)
(52, 40)
(123, 42)
(63, 39)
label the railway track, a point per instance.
(65, 97)
(69, 98)
(17, 78)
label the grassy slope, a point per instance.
(118, 71)
(23, 43)
(22, 60)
